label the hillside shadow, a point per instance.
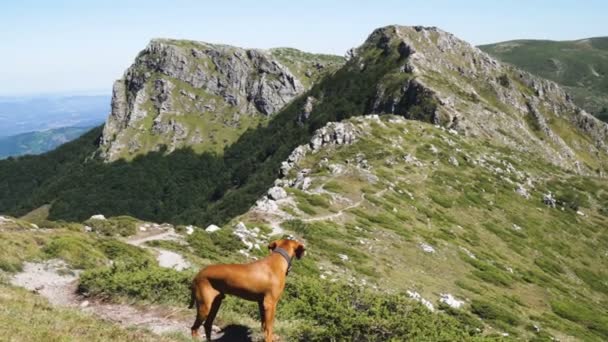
(235, 333)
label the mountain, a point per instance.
(22, 114)
(38, 142)
(580, 66)
(204, 96)
(422, 167)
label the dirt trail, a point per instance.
(341, 211)
(336, 215)
(54, 280)
(165, 258)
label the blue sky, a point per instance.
(82, 46)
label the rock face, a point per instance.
(438, 78)
(183, 93)
(334, 133)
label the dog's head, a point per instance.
(293, 247)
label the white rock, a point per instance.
(240, 227)
(452, 160)
(266, 204)
(143, 228)
(469, 253)
(580, 213)
(410, 159)
(451, 301)
(516, 227)
(277, 193)
(335, 168)
(189, 229)
(97, 217)
(4, 219)
(427, 248)
(212, 228)
(523, 192)
(88, 229)
(84, 304)
(343, 257)
(417, 297)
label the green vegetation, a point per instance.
(580, 65)
(79, 250)
(343, 312)
(26, 317)
(218, 187)
(114, 226)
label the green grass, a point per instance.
(114, 226)
(26, 317)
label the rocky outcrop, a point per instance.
(334, 133)
(435, 77)
(176, 88)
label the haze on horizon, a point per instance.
(69, 46)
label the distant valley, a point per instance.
(37, 113)
(37, 124)
(38, 142)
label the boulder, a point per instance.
(277, 193)
(451, 301)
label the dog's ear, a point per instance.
(272, 245)
(300, 250)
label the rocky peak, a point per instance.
(188, 94)
(431, 75)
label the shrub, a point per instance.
(346, 313)
(493, 312)
(144, 281)
(213, 245)
(120, 225)
(490, 273)
(597, 281)
(80, 252)
(120, 251)
(593, 319)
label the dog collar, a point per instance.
(285, 255)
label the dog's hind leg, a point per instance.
(204, 296)
(215, 307)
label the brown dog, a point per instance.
(261, 281)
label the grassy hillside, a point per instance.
(580, 65)
(414, 207)
(407, 207)
(344, 312)
(38, 142)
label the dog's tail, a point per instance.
(192, 295)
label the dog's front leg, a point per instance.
(267, 309)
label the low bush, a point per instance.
(490, 273)
(596, 280)
(346, 313)
(78, 251)
(213, 245)
(316, 310)
(493, 312)
(142, 281)
(119, 225)
(596, 320)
